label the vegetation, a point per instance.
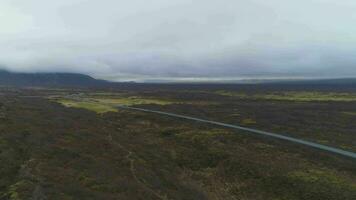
(51, 151)
(350, 113)
(295, 96)
(108, 102)
(93, 106)
(105, 103)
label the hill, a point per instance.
(81, 80)
(48, 79)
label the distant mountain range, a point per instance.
(80, 80)
(49, 79)
(330, 81)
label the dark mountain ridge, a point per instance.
(21, 79)
(48, 79)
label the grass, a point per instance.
(321, 176)
(107, 102)
(103, 105)
(47, 152)
(350, 113)
(128, 101)
(248, 121)
(93, 106)
(16, 190)
(295, 96)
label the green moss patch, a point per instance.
(295, 96)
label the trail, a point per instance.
(250, 130)
(131, 160)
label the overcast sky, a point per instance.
(180, 39)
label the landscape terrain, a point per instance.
(76, 143)
(177, 100)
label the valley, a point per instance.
(76, 144)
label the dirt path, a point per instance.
(130, 157)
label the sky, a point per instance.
(180, 39)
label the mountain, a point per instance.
(336, 84)
(80, 80)
(49, 79)
(331, 81)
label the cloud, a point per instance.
(137, 39)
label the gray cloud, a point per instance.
(162, 39)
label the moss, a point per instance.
(263, 146)
(248, 121)
(87, 181)
(96, 107)
(350, 113)
(132, 101)
(295, 96)
(322, 177)
(20, 190)
(103, 105)
(232, 94)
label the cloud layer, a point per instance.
(160, 39)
